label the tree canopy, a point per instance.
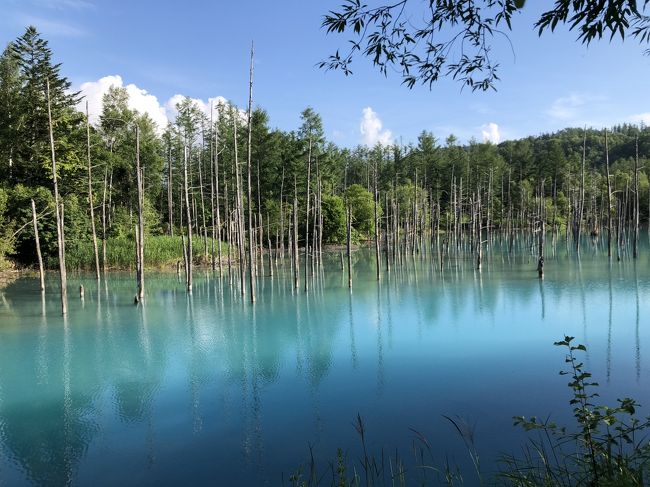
(424, 40)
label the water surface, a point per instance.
(207, 389)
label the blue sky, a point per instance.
(200, 49)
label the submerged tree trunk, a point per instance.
(216, 186)
(296, 259)
(41, 273)
(239, 211)
(104, 221)
(170, 192)
(376, 198)
(251, 239)
(581, 203)
(59, 216)
(542, 235)
(140, 183)
(349, 245)
(609, 199)
(635, 230)
(188, 216)
(90, 197)
(307, 217)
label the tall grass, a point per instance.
(160, 251)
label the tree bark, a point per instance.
(635, 234)
(188, 216)
(376, 198)
(59, 216)
(296, 259)
(349, 244)
(307, 216)
(239, 210)
(140, 183)
(581, 203)
(251, 239)
(90, 197)
(41, 273)
(609, 198)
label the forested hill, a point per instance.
(442, 177)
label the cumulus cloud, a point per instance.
(372, 131)
(139, 99)
(491, 133)
(204, 106)
(143, 101)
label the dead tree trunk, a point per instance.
(216, 186)
(104, 221)
(90, 197)
(296, 259)
(479, 233)
(188, 216)
(202, 199)
(140, 183)
(280, 244)
(609, 198)
(540, 260)
(376, 198)
(251, 239)
(635, 231)
(170, 192)
(542, 234)
(239, 210)
(41, 273)
(307, 217)
(59, 217)
(581, 203)
(387, 231)
(213, 223)
(349, 245)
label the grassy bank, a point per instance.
(159, 252)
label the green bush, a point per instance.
(363, 209)
(334, 221)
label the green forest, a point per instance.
(214, 171)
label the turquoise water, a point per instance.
(209, 390)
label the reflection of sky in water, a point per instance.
(209, 388)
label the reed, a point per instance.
(161, 251)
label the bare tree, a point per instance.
(41, 273)
(251, 239)
(90, 196)
(59, 210)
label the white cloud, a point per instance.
(567, 107)
(372, 131)
(139, 99)
(170, 105)
(491, 133)
(640, 118)
(142, 101)
(204, 106)
(571, 109)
